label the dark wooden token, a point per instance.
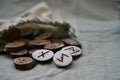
(15, 46)
(38, 43)
(55, 46)
(24, 63)
(10, 34)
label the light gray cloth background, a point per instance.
(97, 28)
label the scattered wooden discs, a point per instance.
(42, 49)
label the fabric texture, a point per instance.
(97, 28)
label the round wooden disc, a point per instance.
(10, 35)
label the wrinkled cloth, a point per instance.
(40, 11)
(97, 28)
